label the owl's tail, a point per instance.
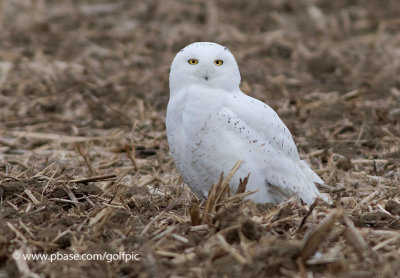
(313, 178)
(309, 172)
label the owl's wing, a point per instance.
(257, 123)
(261, 118)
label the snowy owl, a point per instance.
(211, 124)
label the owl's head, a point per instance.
(204, 63)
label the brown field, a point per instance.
(83, 94)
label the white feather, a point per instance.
(211, 124)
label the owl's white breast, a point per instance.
(191, 128)
(210, 129)
(206, 139)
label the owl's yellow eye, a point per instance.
(218, 62)
(193, 61)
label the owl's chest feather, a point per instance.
(194, 107)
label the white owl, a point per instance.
(211, 124)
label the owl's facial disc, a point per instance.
(207, 74)
(202, 67)
(207, 64)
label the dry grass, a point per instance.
(84, 164)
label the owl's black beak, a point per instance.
(206, 78)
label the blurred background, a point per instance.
(71, 66)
